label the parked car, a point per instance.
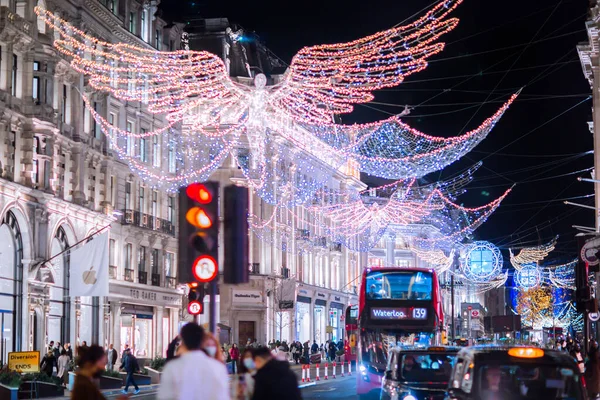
(494, 372)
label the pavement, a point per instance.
(341, 388)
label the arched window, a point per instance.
(11, 285)
(58, 320)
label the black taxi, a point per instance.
(418, 373)
(514, 373)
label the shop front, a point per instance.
(336, 317)
(320, 318)
(146, 329)
(303, 315)
(248, 311)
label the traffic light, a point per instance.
(235, 268)
(196, 298)
(198, 233)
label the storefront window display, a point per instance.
(166, 331)
(7, 298)
(320, 320)
(85, 320)
(136, 330)
(56, 322)
(334, 322)
(303, 321)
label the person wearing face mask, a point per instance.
(245, 378)
(212, 347)
(193, 375)
(91, 362)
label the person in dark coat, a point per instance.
(314, 348)
(331, 350)
(130, 365)
(274, 379)
(306, 354)
(172, 348)
(48, 363)
(592, 373)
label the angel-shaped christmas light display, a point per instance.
(283, 136)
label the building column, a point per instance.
(115, 315)
(390, 247)
(158, 312)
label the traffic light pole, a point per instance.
(212, 307)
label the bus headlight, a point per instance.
(409, 397)
(363, 369)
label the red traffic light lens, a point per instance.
(194, 307)
(200, 193)
(198, 217)
(205, 268)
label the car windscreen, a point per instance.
(528, 381)
(429, 367)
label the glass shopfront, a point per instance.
(336, 310)
(7, 290)
(136, 329)
(320, 321)
(303, 319)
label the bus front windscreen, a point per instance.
(399, 285)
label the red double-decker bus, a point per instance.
(397, 307)
(351, 333)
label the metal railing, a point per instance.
(142, 277)
(112, 271)
(147, 221)
(155, 279)
(336, 247)
(128, 275)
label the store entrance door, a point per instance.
(246, 331)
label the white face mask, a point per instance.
(211, 350)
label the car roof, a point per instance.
(430, 349)
(491, 353)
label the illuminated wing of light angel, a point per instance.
(532, 255)
(192, 88)
(326, 80)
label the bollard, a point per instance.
(326, 369)
(317, 377)
(333, 373)
(307, 372)
(303, 373)
(342, 374)
(349, 367)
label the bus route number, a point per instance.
(419, 313)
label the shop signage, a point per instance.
(24, 361)
(247, 296)
(321, 295)
(404, 313)
(336, 298)
(305, 292)
(329, 329)
(157, 298)
(286, 305)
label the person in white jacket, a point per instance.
(193, 375)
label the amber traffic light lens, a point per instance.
(198, 192)
(198, 217)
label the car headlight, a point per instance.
(363, 369)
(409, 397)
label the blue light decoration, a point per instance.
(482, 263)
(529, 276)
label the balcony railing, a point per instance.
(128, 275)
(320, 241)
(142, 277)
(170, 282)
(147, 221)
(302, 234)
(336, 247)
(155, 279)
(112, 272)
(254, 268)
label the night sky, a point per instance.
(497, 48)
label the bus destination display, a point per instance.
(399, 313)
